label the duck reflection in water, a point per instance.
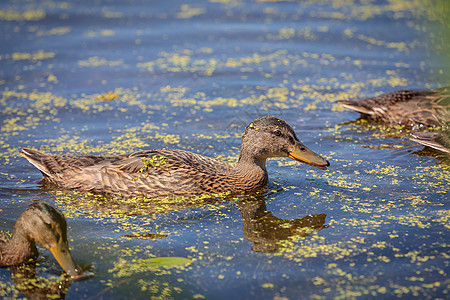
(36, 288)
(266, 231)
(261, 227)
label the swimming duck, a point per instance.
(43, 224)
(406, 107)
(436, 140)
(162, 173)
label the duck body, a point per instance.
(43, 224)
(406, 107)
(162, 173)
(155, 173)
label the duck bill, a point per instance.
(62, 254)
(308, 157)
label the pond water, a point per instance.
(119, 76)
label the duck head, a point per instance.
(45, 225)
(273, 137)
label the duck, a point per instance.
(406, 107)
(40, 223)
(174, 173)
(437, 140)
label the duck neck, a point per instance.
(251, 163)
(18, 249)
(252, 169)
(250, 157)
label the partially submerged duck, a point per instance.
(43, 224)
(160, 173)
(406, 107)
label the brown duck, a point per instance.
(405, 107)
(159, 173)
(43, 224)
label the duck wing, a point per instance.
(52, 165)
(155, 173)
(152, 173)
(161, 161)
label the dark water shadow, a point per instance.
(33, 287)
(266, 231)
(380, 130)
(441, 157)
(261, 227)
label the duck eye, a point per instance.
(277, 132)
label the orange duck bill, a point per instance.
(302, 154)
(62, 254)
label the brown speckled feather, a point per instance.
(406, 107)
(17, 250)
(156, 173)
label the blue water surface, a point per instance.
(119, 76)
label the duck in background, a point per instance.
(407, 107)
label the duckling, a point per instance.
(43, 224)
(406, 107)
(165, 173)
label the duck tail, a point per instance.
(356, 106)
(36, 158)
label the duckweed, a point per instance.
(156, 85)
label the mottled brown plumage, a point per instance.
(156, 173)
(43, 224)
(430, 108)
